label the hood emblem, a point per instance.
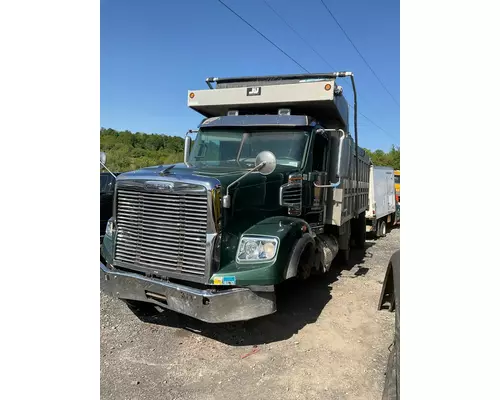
(162, 186)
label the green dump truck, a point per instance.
(273, 187)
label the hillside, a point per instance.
(127, 151)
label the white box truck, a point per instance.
(381, 200)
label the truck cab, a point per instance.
(273, 187)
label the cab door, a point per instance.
(315, 197)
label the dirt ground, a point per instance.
(327, 341)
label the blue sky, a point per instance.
(154, 51)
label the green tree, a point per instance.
(127, 151)
(383, 159)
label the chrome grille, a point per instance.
(291, 195)
(162, 231)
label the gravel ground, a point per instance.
(327, 341)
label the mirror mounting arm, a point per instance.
(103, 163)
(107, 169)
(265, 163)
(226, 200)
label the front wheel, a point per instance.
(306, 263)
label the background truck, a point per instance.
(397, 178)
(381, 200)
(273, 188)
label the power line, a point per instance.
(261, 34)
(297, 33)
(377, 126)
(320, 56)
(290, 57)
(355, 48)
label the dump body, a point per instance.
(266, 96)
(382, 200)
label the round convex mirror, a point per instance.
(269, 158)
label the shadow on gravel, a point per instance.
(299, 304)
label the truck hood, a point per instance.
(213, 176)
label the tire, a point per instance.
(344, 256)
(381, 228)
(306, 263)
(392, 377)
(359, 232)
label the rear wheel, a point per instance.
(382, 229)
(359, 231)
(345, 255)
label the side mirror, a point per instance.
(269, 160)
(187, 148)
(343, 159)
(345, 153)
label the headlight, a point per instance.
(110, 227)
(257, 249)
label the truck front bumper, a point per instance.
(209, 305)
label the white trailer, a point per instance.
(381, 200)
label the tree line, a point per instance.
(383, 159)
(127, 151)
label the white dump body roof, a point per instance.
(317, 98)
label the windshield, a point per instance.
(396, 179)
(230, 147)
